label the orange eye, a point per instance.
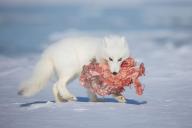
(110, 59)
(120, 59)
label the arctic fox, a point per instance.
(66, 58)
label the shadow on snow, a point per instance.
(86, 99)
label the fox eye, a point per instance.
(120, 59)
(110, 59)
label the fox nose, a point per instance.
(114, 73)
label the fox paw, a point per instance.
(69, 98)
(120, 98)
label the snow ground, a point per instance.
(166, 102)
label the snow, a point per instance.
(166, 102)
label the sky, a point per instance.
(88, 2)
(30, 23)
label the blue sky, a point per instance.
(25, 26)
(96, 3)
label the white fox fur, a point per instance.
(67, 57)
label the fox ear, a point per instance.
(105, 40)
(123, 39)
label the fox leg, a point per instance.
(56, 94)
(92, 96)
(60, 90)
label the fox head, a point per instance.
(115, 50)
